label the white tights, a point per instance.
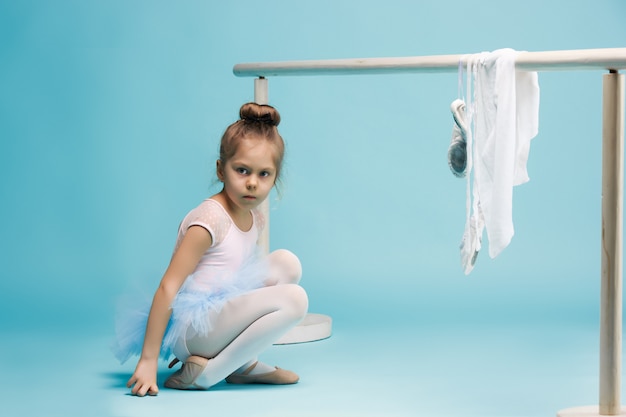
(250, 323)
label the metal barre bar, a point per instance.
(580, 59)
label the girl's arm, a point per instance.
(196, 241)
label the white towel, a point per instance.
(505, 116)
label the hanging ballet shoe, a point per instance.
(457, 151)
(472, 241)
(186, 376)
(277, 377)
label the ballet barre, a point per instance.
(606, 59)
(582, 59)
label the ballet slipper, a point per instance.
(277, 377)
(472, 240)
(457, 151)
(185, 377)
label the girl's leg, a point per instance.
(246, 326)
(284, 268)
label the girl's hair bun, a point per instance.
(256, 122)
(259, 113)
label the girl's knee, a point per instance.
(285, 267)
(297, 300)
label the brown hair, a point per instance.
(257, 121)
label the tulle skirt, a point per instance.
(203, 291)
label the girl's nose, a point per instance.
(251, 183)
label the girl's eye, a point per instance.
(265, 174)
(242, 170)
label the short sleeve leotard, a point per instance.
(231, 247)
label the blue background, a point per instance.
(110, 119)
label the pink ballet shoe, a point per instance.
(185, 377)
(277, 377)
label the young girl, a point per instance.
(219, 303)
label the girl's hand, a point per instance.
(144, 380)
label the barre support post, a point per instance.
(612, 218)
(261, 96)
(611, 252)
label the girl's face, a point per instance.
(250, 174)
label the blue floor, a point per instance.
(388, 370)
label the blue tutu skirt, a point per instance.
(204, 291)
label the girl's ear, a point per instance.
(220, 170)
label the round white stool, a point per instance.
(313, 327)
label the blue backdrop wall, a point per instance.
(111, 113)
